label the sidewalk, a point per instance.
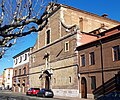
(55, 97)
(70, 98)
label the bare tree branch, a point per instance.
(17, 15)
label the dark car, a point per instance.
(45, 93)
(32, 91)
(110, 96)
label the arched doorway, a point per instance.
(83, 88)
(19, 88)
(47, 82)
(23, 88)
(8, 87)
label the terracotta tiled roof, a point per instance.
(103, 37)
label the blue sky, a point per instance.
(99, 7)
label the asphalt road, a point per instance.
(7, 95)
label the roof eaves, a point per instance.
(86, 12)
(28, 49)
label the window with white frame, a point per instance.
(20, 59)
(16, 61)
(25, 57)
(66, 46)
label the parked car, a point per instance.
(45, 93)
(110, 96)
(32, 91)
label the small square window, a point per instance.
(66, 46)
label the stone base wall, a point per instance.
(90, 96)
(66, 92)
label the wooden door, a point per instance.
(83, 88)
(47, 83)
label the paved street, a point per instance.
(8, 95)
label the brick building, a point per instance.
(99, 60)
(53, 59)
(20, 71)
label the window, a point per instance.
(91, 58)
(66, 46)
(116, 53)
(19, 71)
(25, 57)
(8, 76)
(18, 81)
(82, 58)
(20, 59)
(93, 82)
(70, 79)
(24, 70)
(15, 72)
(48, 37)
(16, 61)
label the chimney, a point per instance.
(104, 15)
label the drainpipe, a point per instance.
(102, 67)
